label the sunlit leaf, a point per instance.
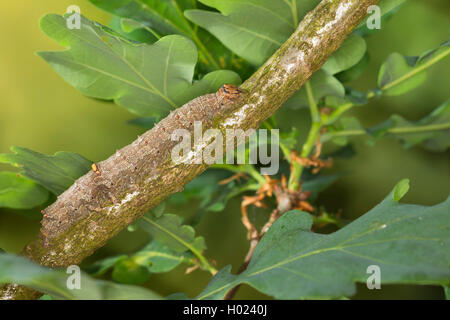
(148, 80)
(160, 18)
(243, 25)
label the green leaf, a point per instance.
(17, 192)
(100, 267)
(347, 56)
(356, 71)
(409, 243)
(401, 74)
(136, 269)
(322, 84)
(170, 231)
(397, 67)
(128, 271)
(161, 18)
(164, 16)
(242, 26)
(148, 80)
(432, 132)
(133, 30)
(206, 189)
(15, 269)
(55, 173)
(159, 258)
(400, 190)
(447, 292)
(146, 123)
(346, 125)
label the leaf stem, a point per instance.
(313, 134)
(400, 130)
(417, 70)
(283, 147)
(245, 168)
(344, 108)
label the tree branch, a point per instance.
(139, 176)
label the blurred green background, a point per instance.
(38, 110)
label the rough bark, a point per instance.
(139, 176)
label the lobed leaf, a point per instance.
(401, 74)
(165, 17)
(148, 80)
(170, 231)
(17, 192)
(137, 268)
(410, 244)
(147, 19)
(55, 173)
(435, 138)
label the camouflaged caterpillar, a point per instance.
(149, 153)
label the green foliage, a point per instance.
(149, 20)
(136, 269)
(401, 74)
(148, 80)
(165, 17)
(169, 230)
(153, 60)
(323, 84)
(17, 192)
(348, 55)
(243, 29)
(242, 24)
(400, 190)
(14, 269)
(431, 132)
(206, 189)
(435, 138)
(396, 67)
(133, 30)
(447, 292)
(55, 173)
(409, 243)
